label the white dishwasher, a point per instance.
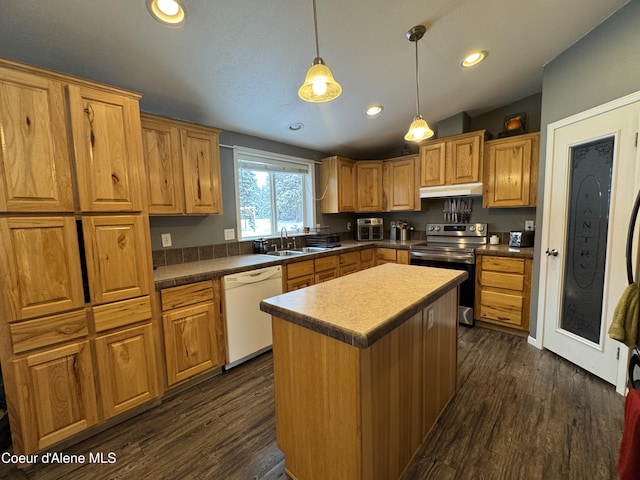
(249, 328)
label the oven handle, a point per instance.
(443, 257)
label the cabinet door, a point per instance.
(338, 184)
(35, 174)
(385, 255)
(40, 264)
(369, 180)
(346, 185)
(400, 190)
(190, 342)
(55, 395)
(464, 162)
(116, 250)
(107, 144)
(511, 172)
(163, 166)
(432, 164)
(126, 369)
(201, 170)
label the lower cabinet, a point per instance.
(55, 396)
(193, 330)
(391, 255)
(367, 258)
(325, 268)
(349, 263)
(126, 368)
(298, 275)
(503, 291)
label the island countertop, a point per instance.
(363, 307)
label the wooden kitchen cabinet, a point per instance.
(367, 258)
(40, 262)
(117, 250)
(107, 148)
(452, 160)
(503, 291)
(348, 263)
(35, 172)
(391, 255)
(325, 268)
(182, 163)
(54, 395)
(338, 184)
(369, 186)
(298, 275)
(400, 184)
(511, 171)
(194, 339)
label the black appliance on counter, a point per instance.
(451, 245)
(260, 246)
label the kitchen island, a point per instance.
(363, 365)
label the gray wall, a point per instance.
(601, 67)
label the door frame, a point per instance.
(621, 378)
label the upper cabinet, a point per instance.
(338, 184)
(369, 182)
(107, 147)
(452, 160)
(511, 171)
(35, 174)
(400, 184)
(183, 167)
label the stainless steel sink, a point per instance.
(297, 251)
(286, 253)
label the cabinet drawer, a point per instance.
(502, 264)
(347, 269)
(300, 282)
(325, 263)
(386, 254)
(299, 269)
(502, 307)
(47, 331)
(508, 281)
(325, 276)
(366, 255)
(351, 258)
(119, 314)
(184, 295)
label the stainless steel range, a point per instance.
(452, 245)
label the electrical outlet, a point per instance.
(348, 226)
(166, 240)
(529, 225)
(229, 234)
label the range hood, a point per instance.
(459, 190)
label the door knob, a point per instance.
(552, 253)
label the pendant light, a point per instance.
(319, 84)
(419, 130)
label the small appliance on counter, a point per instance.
(260, 246)
(399, 230)
(521, 238)
(370, 229)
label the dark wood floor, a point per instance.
(519, 413)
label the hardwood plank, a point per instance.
(519, 413)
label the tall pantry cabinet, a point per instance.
(76, 329)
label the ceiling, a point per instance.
(237, 65)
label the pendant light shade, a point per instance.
(319, 84)
(419, 129)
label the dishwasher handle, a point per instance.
(255, 276)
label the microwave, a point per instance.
(370, 229)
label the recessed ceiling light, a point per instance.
(474, 58)
(168, 12)
(294, 127)
(373, 110)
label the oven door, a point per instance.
(465, 301)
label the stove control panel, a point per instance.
(457, 229)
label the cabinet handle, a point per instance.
(552, 253)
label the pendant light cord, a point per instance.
(417, 81)
(315, 27)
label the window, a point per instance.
(273, 192)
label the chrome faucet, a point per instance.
(286, 235)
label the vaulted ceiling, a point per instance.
(237, 65)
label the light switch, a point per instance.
(229, 234)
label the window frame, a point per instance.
(277, 163)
